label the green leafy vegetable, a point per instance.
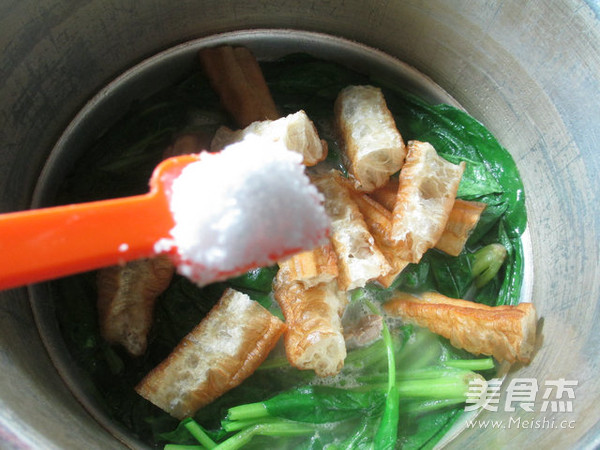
(260, 279)
(312, 404)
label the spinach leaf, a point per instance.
(260, 279)
(323, 404)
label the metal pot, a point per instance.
(530, 72)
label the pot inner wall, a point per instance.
(158, 72)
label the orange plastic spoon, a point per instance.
(216, 214)
(42, 244)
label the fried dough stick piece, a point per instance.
(235, 75)
(310, 268)
(306, 289)
(462, 220)
(296, 131)
(387, 194)
(505, 332)
(126, 297)
(379, 222)
(370, 141)
(127, 293)
(224, 349)
(359, 258)
(314, 337)
(426, 194)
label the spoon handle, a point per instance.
(42, 244)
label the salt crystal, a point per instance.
(244, 207)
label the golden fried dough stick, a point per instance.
(463, 218)
(310, 267)
(398, 265)
(505, 332)
(314, 337)
(236, 77)
(368, 136)
(387, 194)
(223, 350)
(126, 297)
(426, 194)
(296, 131)
(254, 75)
(379, 222)
(359, 258)
(377, 217)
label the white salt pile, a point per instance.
(244, 207)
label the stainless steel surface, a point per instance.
(530, 71)
(160, 71)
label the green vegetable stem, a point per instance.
(199, 434)
(274, 428)
(311, 404)
(487, 262)
(387, 433)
